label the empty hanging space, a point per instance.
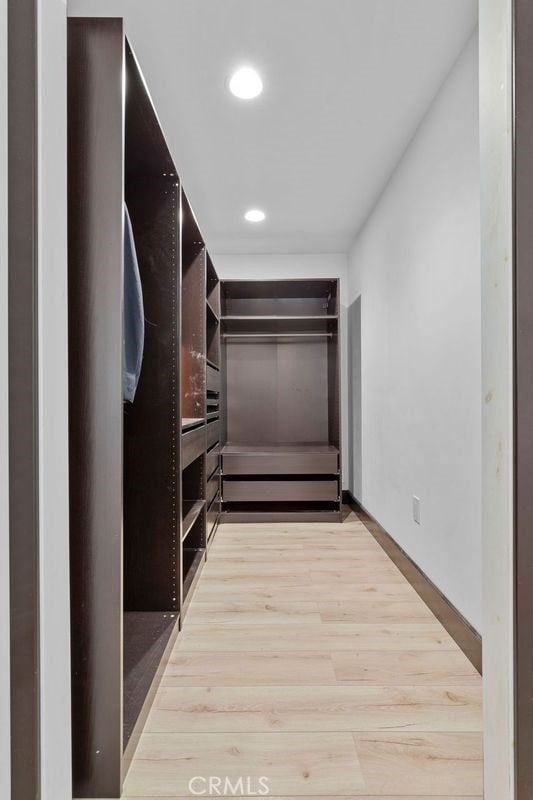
(193, 398)
(281, 456)
(150, 437)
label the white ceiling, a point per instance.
(347, 82)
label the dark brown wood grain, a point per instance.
(95, 157)
(281, 399)
(152, 430)
(523, 304)
(138, 478)
(23, 400)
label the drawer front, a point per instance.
(213, 434)
(213, 379)
(212, 461)
(280, 464)
(212, 514)
(253, 491)
(192, 445)
(213, 486)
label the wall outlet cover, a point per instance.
(416, 509)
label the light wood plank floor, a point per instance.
(307, 658)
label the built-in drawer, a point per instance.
(280, 490)
(213, 485)
(212, 460)
(212, 433)
(280, 463)
(213, 379)
(213, 513)
(192, 445)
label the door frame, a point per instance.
(523, 390)
(23, 398)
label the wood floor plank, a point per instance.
(305, 592)
(357, 573)
(315, 708)
(375, 611)
(248, 669)
(253, 580)
(430, 763)
(271, 613)
(294, 763)
(401, 668)
(325, 637)
(306, 548)
(229, 568)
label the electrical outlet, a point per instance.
(416, 509)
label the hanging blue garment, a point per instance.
(133, 316)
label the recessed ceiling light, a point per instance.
(245, 83)
(255, 215)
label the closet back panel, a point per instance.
(284, 298)
(151, 423)
(334, 390)
(95, 152)
(276, 391)
(193, 344)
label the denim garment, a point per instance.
(133, 316)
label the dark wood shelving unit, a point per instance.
(192, 510)
(281, 453)
(147, 636)
(193, 561)
(188, 423)
(211, 311)
(142, 505)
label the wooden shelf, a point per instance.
(229, 317)
(258, 448)
(212, 311)
(192, 571)
(192, 510)
(191, 422)
(146, 635)
(279, 324)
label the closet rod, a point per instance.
(275, 335)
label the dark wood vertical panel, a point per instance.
(23, 397)
(95, 152)
(524, 392)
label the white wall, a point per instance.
(275, 266)
(53, 402)
(496, 107)
(416, 266)
(5, 749)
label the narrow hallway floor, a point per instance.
(308, 660)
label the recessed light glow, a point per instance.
(245, 83)
(255, 215)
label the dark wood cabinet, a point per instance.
(281, 458)
(142, 504)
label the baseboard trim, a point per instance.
(450, 618)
